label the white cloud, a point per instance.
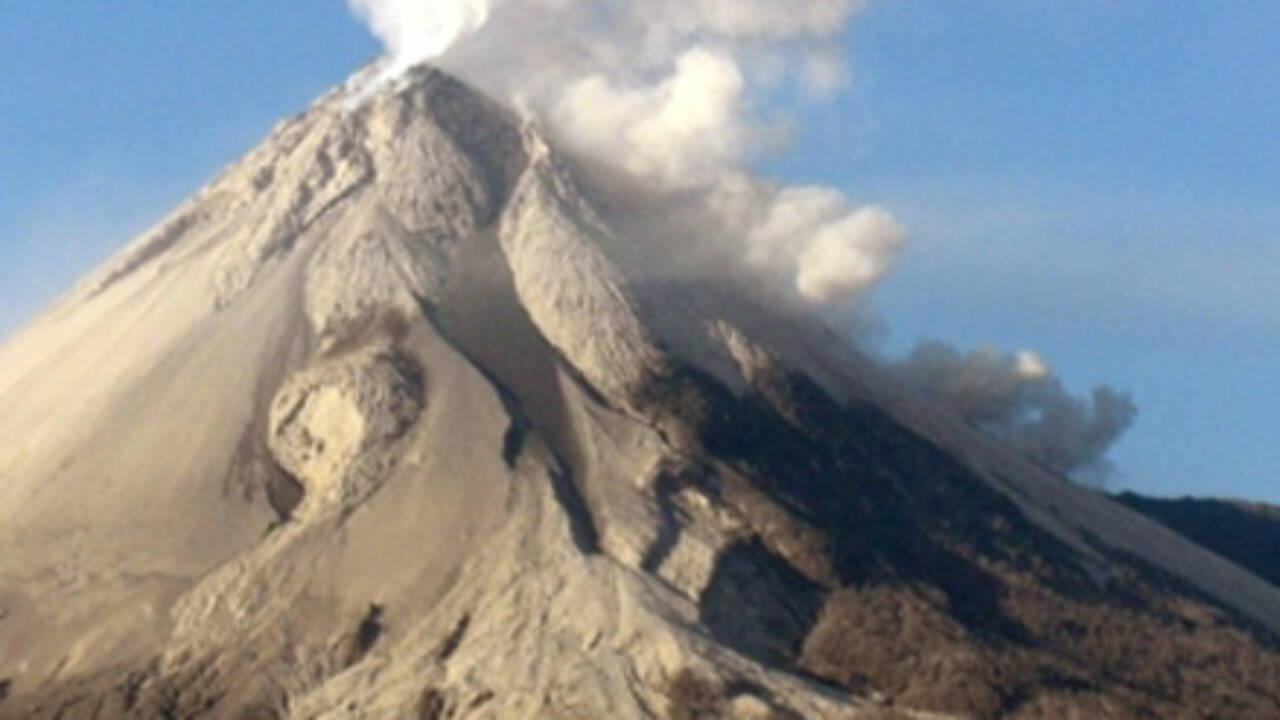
(664, 91)
(846, 256)
(681, 132)
(414, 30)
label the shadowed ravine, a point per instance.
(394, 421)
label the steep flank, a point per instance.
(581, 302)
(394, 420)
(1247, 534)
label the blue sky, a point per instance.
(1096, 180)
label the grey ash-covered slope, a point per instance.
(387, 422)
(1247, 534)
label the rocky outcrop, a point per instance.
(333, 426)
(580, 301)
(386, 422)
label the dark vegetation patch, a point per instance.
(942, 595)
(693, 697)
(900, 642)
(690, 696)
(892, 506)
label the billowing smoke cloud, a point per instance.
(1017, 398)
(415, 30)
(668, 92)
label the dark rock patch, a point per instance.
(453, 640)
(693, 697)
(759, 604)
(366, 635)
(432, 705)
(582, 525)
(669, 482)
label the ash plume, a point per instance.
(672, 94)
(1018, 399)
(668, 92)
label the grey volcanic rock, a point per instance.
(332, 426)
(385, 422)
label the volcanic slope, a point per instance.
(387, 422)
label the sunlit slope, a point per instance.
(396, 419)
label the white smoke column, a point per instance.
(414, 30)
(848, 254)
(668, 91)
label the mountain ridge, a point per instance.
(383, 423)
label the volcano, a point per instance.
(396, 419)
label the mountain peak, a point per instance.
(392, 419)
